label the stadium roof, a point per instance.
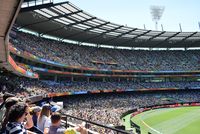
(66, 21)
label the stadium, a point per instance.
(101, 77)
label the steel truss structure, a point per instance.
(66, 21)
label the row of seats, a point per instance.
(75, 55)
(30, 87)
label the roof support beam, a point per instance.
(154, 43)
(52, 18)
(101, 34)
(163, 41)
(69, 25)
(153, 37)
(48, 5)
(132, 39)
(185, 38)
(104, 42)
(88, 29)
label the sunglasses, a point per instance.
(26, 113)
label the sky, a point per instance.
(136, 13)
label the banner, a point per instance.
(21, 70)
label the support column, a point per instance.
(72, 79)
(119, 79)
(55, 78)
(88, 79)
(104, 80)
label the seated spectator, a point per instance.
(44, 119)
(106, 58)
(17, 115)
(55, 127)
(35, 112)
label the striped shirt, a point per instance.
(15, 128)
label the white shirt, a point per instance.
(44, 122)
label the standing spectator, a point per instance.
(43, 122)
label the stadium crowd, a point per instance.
(51, 86)
(19, 85)
(106, 109)
(30, 87)
(76, 55)
(20, 116)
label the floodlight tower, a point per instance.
(156, 12)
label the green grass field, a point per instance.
(183, 120)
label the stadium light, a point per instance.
(199, 25)
(180, 27)
(144, 27)
(162, 27)
(156, 12)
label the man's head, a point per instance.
(18, 112)
(56, 119)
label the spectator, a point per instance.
(55, 128)
(102, 58)
(55, 124)
(16, 117)
(35, 111)
(9, 102)
(43, 122)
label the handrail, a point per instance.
(97, 124)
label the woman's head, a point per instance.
(18, 112)
(45, 111)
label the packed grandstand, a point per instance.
(96, 85)
(74, 55)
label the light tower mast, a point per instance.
(156, 12)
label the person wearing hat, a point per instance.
(5, 96)
(9, 102)
(55, 108)
(35, 111)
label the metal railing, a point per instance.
(93, 128)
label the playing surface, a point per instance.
(184, 120)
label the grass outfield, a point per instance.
(183, 120)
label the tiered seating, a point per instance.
(75, 55)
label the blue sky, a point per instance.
(136, 13)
